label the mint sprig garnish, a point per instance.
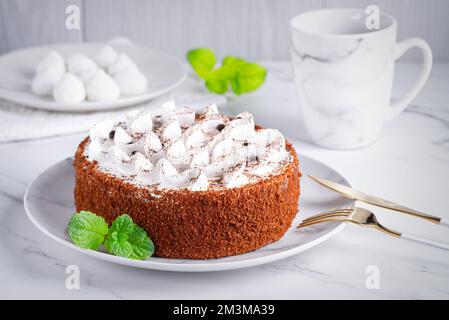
(242, 76)
(87, 230)
(127, 239)
(124, 238)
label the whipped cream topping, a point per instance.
(178, 149)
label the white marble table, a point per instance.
(409, 164)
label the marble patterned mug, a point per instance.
(344, 74)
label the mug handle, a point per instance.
(402, 47)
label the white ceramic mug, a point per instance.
(344, 74)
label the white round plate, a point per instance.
(163, 71)
(49, 205)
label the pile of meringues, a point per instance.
(78, 78)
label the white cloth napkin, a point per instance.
(21, 123)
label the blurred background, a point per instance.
(255, 29)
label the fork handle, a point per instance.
(427, 242)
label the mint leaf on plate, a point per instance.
(87, 230)
(202, 60)
(127, 239)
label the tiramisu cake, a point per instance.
(202, 185)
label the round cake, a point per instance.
(203, 185)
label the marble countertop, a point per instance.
(408, 164)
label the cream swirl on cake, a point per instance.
(179, 149)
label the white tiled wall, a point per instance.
(256, 29)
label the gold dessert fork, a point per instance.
(376, 201)
(365, 218)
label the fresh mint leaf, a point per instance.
(127, 239)
(202, 61)
(248, 77)
(232, 65)
(218, 81)
(87, 230)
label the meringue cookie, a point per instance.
(103, 131)
(262, 169)
(200, 183)
(168, 110)
(276, 155)
(87, 74)
(69, 89)
(123, 162)
(44, 82)
(155, 156)
(168, 175)
(238, 181)
(152, 143)
(121, 63)
(145, 170)
(222, 148)
(235, 177)
(176, 150)
(128, 143)
(271, 145)
(213, 126)
(182, 163)
(135, 146)
(101, 87)
(49, 72)
(245, 116)
(78, 63)
(242, 127)
(121, 137)
(176, 181)
(52, 60)
(171, 130)
(270, 137)
(186, 176)
(250, 151)
(194, 136)
(234, 172)
(142, 163)
(200, 159)
(131, 82)
(165, 168)
(210, 111)
(106, 56)
(142, 124)
(185, 116)
(218, 167)
(97, 152)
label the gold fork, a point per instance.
(365, 218)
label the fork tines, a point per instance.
(338, 214)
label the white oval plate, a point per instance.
(49, 205)
(163, 71)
